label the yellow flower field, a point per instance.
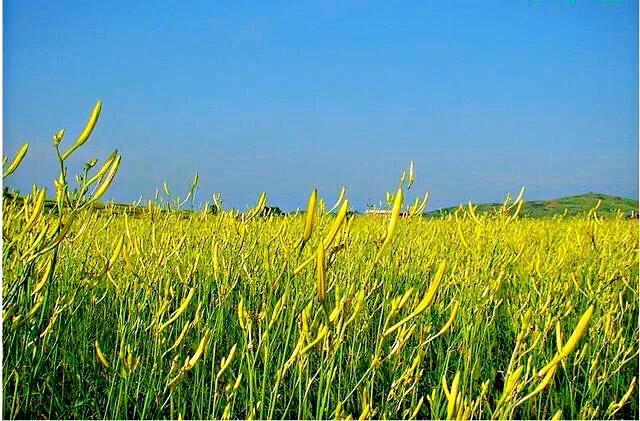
(158, 313)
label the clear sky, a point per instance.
(484, 96)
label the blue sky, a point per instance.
(283, 97)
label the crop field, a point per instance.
(316, 315)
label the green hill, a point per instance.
(574, 205)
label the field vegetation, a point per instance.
(322, 314)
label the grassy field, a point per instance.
(320, 315)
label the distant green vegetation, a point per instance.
(573, 205)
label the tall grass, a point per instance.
(165, 314)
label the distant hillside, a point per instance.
(574, 205)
